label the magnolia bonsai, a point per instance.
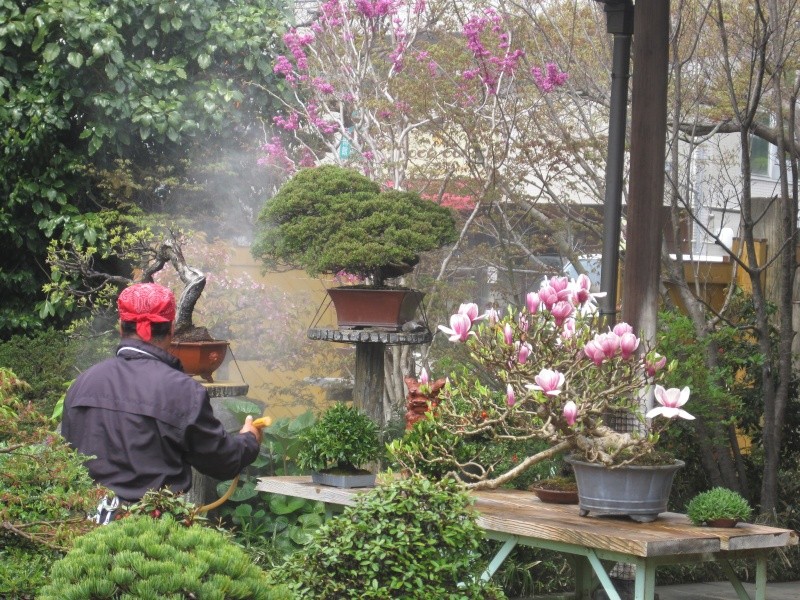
(330, 220)
(547, 372)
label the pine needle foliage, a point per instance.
(157, 559)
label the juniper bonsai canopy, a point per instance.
(329, 219)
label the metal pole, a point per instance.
(619, 16)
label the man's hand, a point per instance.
(249, 428)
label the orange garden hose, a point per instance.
(259, 424)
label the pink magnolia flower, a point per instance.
(523, 352)
(622, 328)
(511, 397)
(548, 296)
(471, 310)
(459, 329)
(533, 301)
(609, 342)
(671, 401)
(561, 311)
(523, 323)
(593, 350)
(568, 331)
(548, 381)
(423, 377)
(559, 284)
(492, 315)
(653, 363)
(628, 343)
(570, 412)
(508, 334)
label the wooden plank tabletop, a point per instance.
(522, 513)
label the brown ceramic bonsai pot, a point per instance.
(200, 358)
(386, 308)
(556, 491)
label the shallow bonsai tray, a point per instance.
(341, 480)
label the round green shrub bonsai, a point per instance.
(412, 538)
(342, 440)
(158, 559)
(718, 503)
(330, 219)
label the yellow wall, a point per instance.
(264, 383)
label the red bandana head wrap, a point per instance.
(145, 303)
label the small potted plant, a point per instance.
(334, 220)
(718, 507)
(561, 489)
(338, 445)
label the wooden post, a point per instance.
(368, 383)
(648, 149)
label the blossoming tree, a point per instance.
(413, 95)
(545, 372)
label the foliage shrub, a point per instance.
(141, 557)
(718, 503)
(270, 527)
(343, 438)
(411, 538)
(47, 360)
(45, 493)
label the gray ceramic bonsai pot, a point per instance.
(343, 480)
(639, 492)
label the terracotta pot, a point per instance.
(555, 496)
(386, 308)
(722, 523)
(200, 358)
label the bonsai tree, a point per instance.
(329, 219)
(127, 250)
(342, 440)
(142, 557)
(718, 503)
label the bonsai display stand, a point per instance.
(370, 347)
(515, 517)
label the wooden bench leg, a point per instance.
(737, 585)
(585, 581)
(498, 559)
(605, 580)
(645, 581)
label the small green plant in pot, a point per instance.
(718, 507)
(338, 445)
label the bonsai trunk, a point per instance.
(194, 282)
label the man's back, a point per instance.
(147, 423)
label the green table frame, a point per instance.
(519, 518)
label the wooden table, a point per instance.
(516, 517)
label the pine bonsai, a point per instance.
(141, 557)
(329, 219)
